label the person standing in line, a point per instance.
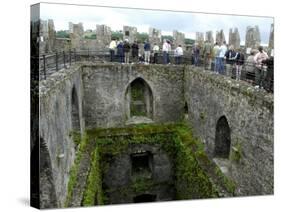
(207, 52)
(223, 50)
(165, 50)
(112, 47)
(146, 52)
(250, 67)
(196, 54)
(155, 53)
(259, 59)
(135, 51)
(169, 50)
(239, 62)
(216, 51)
(230, 60)
(127, 48)
(178, 54)
(120, 51)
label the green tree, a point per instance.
(62, 34)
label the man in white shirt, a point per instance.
(216, 51)
(165, 50)
(112, 47)
(178, 54)
(223, 50)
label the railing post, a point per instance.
(44, 66)
(64, 65)
(69, 57)
(88, 54)
(57, 65)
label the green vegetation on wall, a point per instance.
(195, 175)
(93, 194)
(191, 180)
(74, 169)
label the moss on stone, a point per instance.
(76, 137)
(93, 194)
(74, 169)
(236, 153)
(194, 172)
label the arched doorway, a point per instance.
(75, 110)
(139, 99)
(222, 138)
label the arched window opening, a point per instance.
(139, 97)
(75, 110)
(222, 139)
(141, 164)
(185, 108)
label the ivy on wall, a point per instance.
(195, 175)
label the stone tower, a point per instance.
(178, 39)
(103, 33)
(234, 38)
(51, 35)
(253, 38)
(130, 33)
(199, 38)
(76, 32)
(209, 37)
(220, 38)
(154, 36)
(271, 38)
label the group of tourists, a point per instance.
(226, 60)
(120, 51)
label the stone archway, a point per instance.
(222, 138)
(139, 99)
(75, 118)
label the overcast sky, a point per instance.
(167, 21)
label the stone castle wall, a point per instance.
(101, 91)
(250, 116)
(56, 123)
(105, 88)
